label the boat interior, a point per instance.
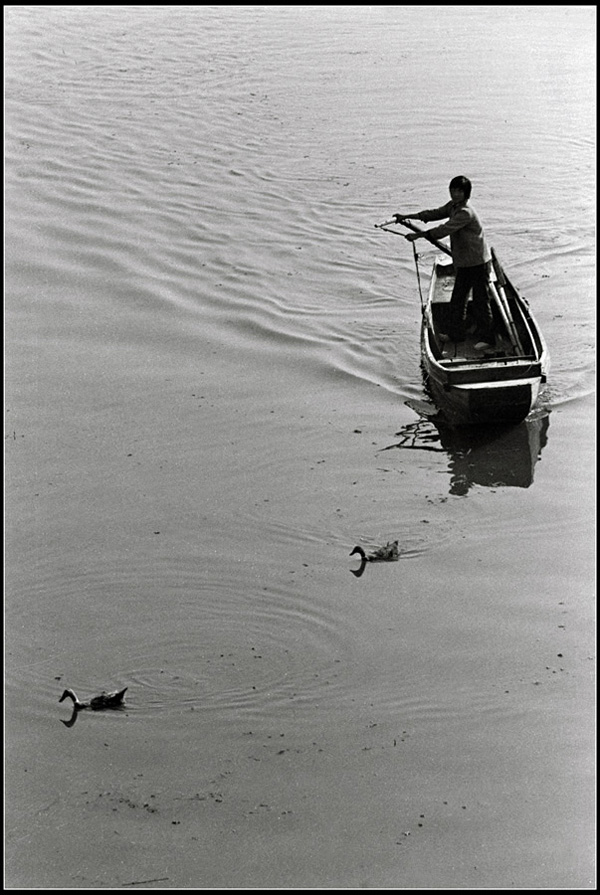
(465, 350)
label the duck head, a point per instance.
(363, 561)
(70, 694)
(360, 552)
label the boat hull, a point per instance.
(483, 404)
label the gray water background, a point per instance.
(209, 355)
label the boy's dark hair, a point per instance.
(461, 183)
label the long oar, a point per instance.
(514, 340)
(434, 242)
(500, 283)
(438, 245)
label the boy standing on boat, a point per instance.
(471, 257)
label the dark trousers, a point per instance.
(468, 278)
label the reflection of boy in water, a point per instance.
(471, 257)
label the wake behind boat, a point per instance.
(471, 383)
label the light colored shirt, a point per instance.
(467, 239)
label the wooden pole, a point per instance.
(438, 245)
(501, 280)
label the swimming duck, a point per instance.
(104, 701)
(389, 553)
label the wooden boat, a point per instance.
(475, 386)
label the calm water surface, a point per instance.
(213, 393)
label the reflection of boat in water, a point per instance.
(492, 456)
